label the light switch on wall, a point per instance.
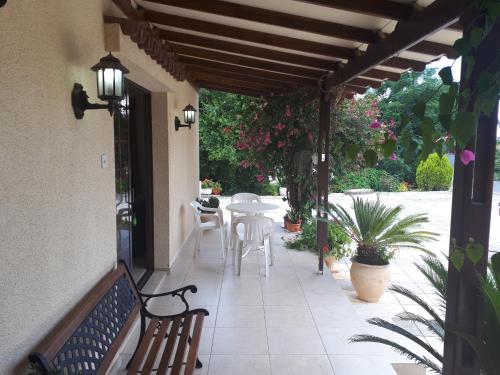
(104, 161)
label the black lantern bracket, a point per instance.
(179, 125)
(80, 102)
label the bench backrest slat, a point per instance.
(87, 339)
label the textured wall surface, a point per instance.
(57, 212)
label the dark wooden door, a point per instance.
(134, 184)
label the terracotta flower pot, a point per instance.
(294, 228)
(369, 281)
(216, 191)
(285, 221)
(330, 261)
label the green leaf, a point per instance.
(453, 91)
(457, 258)
(446, 103)
(464, 127)
(495, 268)
(409, 154)
(469, 62)
(474, 252)
(445, 121)
(427, 127)
(427, 147)
(371, 157)
(484, 81)
(352, 151)
(493, 9)
(419, 110)
(404, 121)
(389, 147)
(462, 46)
(476, 36)
(446, 75)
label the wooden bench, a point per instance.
(89, 337)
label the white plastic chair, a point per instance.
(240, 198)
(208, 221)
(254, 232)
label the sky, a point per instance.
(456, 77)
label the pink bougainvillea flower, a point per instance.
(288, 112)
(394, 156)
(466, 156)
(267, 138)
(260, 177)
(280, 126)
(392, 123)
(245, 164)
(375, 124)
(281, 144)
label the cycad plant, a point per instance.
(435, 272)
(378, 230)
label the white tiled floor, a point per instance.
(295, 321)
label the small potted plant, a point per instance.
(216, 188)
(378, 232)
(294, 220)
(206, 186)
(338, 246)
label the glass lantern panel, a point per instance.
(189, 116)
(118, 83)
(109, 82)
(100, 82)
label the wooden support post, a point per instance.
(470, 218)
(323, 173)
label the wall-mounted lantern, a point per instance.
(189, 118)
(110, 86)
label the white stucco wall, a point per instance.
(57, 212)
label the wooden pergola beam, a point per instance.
(258, 78)
(204, 77)
(244, 81)
(271, 17)
(311, 25)
(248, 35)
(419, 26)
(193, 62)
(266, 53)
(228, 89)
(245, 49)
(381, 8)
(243, 60)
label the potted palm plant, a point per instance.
(294, 220)
(378, 232)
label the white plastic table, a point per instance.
(252, 208)
(249, 208)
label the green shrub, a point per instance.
(368, 178)
(399, 169)
(337, 239)
(435, 173)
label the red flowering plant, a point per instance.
(279, 142)
(359, 137)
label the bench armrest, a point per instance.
(181, 314)
(180, 292)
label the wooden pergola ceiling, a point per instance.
(264, 47)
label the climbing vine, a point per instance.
(459, 109)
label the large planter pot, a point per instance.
(294, 228)
(330, 261)
(369, 281)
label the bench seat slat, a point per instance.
(195, 343)
(181, 347)
(155, 348)
(143, 347)
(169, 348)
